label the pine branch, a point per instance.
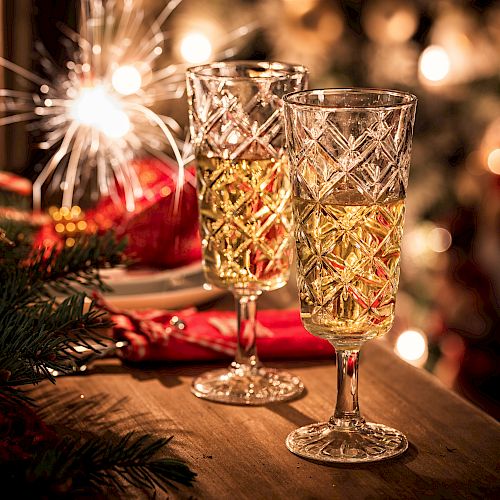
(71, 269)
(43, 337)
(16, 243)
(102, 464)
(40, 334)
(62, 272)
(12, 397)
(133, 458)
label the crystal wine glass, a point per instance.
(349, 152)
(244, 193)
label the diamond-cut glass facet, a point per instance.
(349, 173)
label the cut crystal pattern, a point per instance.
(367, 154)
(244, 193)
(349, 169)
(246, 222)
(233, 119)
(349, 151)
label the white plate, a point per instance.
(128, 281)
(165, 289)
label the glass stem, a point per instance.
(246, 353)
(346, 413)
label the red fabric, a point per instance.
(211, 335)
(160, 233)
(14, 183)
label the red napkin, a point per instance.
(189, 335)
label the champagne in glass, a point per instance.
(350, 294)
(246, 219)
(349, 151)
(244, 197)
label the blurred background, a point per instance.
(446, 52)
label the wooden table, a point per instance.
(239, 452)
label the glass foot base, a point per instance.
(325, 442)
(247, 386)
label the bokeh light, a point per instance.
(439, 239)
(299, 8)
(425, 245)
(390, 21)
(195, 48)
(434, 63)
(494, 161)
(411, 345)
(126, 80)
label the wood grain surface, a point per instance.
(239, 452)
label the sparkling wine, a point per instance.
(246, 219)
(348, 258)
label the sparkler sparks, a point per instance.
(96, 115)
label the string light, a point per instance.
(434, 63)
(69, 223)
(195, 48)
(411, 345)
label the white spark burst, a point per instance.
(96, 115)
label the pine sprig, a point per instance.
(102, 465)
(134, 458)
(39, 333)
(43, 322)
(12, 397)
(60, 272)
(20, 234)
(70, 269)
(42, 338)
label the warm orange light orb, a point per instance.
(195, 48)
(434, 63)
(126, 80)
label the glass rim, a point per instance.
(283, 70)
(408, 99)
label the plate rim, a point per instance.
(122, 276)
(154, 299)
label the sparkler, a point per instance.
(96, 115)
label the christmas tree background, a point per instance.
(445, 52)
